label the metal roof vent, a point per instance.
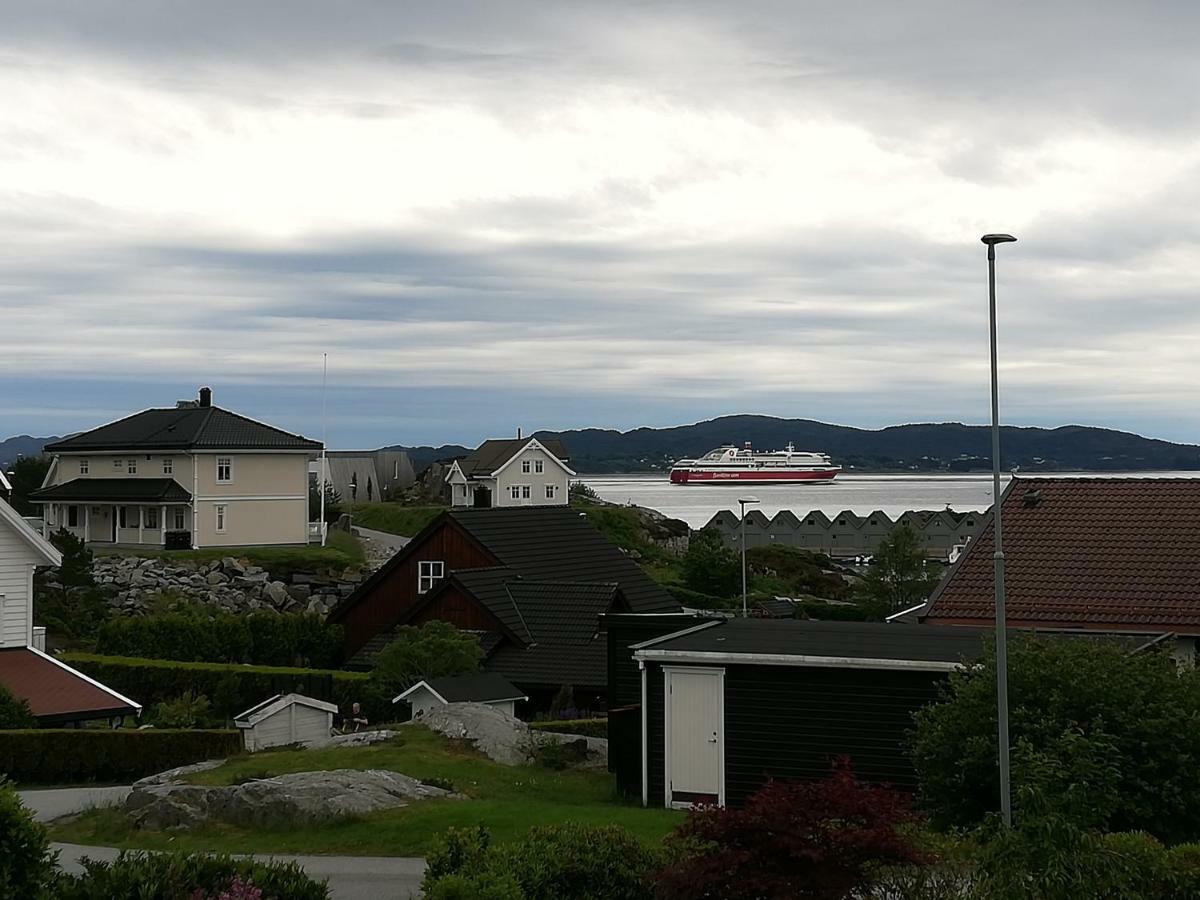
(186, 404)
(1032, 498)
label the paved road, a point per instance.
(350, 877)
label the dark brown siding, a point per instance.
(655, 720)
(459, 609)
(389, 598)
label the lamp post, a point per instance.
(998, 555)
(743, 501)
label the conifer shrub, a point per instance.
(26, 864)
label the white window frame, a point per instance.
(180, 520)
(118, 463)
(131, 466)
(539, 466)
(429, 573)
(526, 492)
(168, 465)
(150, 517)
(524, 467)
(84, 466)
(226, 463)
(514, 492)
(551, 491)
(221, 517)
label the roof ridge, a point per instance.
(521, 616)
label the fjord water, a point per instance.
(861, 494)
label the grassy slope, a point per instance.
(392, 517)
(507, 800)
(342, 550)
(625, 527)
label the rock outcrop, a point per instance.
(504, 738)
(302, 798)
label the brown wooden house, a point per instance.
(530, 581)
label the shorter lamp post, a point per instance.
(743, 501)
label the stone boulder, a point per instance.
(299, 799)
(504, 738)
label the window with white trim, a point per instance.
(168, 466)
(429, 572)
(551, 490)
(122, 515)
(83, 467)
(118, 463)
(222, 512)
(132, 469)
(150, 517)
(539, 466)
(514, 491)
(224, 469)
(525, 492)
(179, 520)
(524, 467)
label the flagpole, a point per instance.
(324, 439)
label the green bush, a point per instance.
(1111, 740)
(194, 635)
(433, 650)
(549, 863)
(14, 713)
(65, 756)
(26, 864)
(596, 728)
(186, 711)
(182, 876)
(698, 600)
(230, 688)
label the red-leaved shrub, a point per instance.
(793, 840)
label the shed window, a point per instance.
(83, 467)
(429, 572)
(225, 470)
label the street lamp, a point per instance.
(743, 501)
(998, 555)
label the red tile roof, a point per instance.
(1111, 553)
(54, 691)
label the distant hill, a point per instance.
(948, 446)
(21, 445)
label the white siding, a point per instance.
(295, 723)
(16, 586)
(514, 475)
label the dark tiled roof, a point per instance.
(492, 454)
(557, 543)
(553, 665)
(847, 640)
(1112, 553)
(480, 688)
(108, 490)
(490, 587)
(200, 428)
(55, 692)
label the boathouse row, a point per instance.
(847, 534)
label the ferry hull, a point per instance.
(684, 476)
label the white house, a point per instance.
(515, 472)
(484, 687)
(285, 719)
(56, 693)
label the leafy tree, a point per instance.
(76, 568)
(434, 650)
(815, 840)
(28, 473)
(898, 574)
(14, 713)
(582, 492)
(1119, 732)
(710, 567)
(26, 863)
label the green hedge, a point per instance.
(597, 728)
(69, 755)
(263, 638)
(229, 688)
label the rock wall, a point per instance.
(135, 585)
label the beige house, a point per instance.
(193, 475)
(516, 472)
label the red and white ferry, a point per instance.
(728, 464)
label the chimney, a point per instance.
(205, 397)
(518, 432)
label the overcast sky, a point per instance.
(598, 214)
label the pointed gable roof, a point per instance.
(1111, 553)
(495, 453)
(47, 554)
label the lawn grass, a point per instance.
(393, 518)
(343, 551)
(507, 800)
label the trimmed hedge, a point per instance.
(230, 688)
(69, 755)
(596, 728)
(263, 639)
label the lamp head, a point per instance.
(992, 239)
(747, 499)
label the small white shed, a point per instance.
(483, 687)
(285, 719)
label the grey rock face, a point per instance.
(504, 738)
(303, 798)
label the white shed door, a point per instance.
(695, 756)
